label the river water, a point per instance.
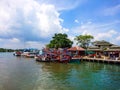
(18, 73)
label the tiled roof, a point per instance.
(76, 48)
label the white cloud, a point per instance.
(64, 4)
(48, 21)
(100, 31)
(94, 28)
(11, 43)
(14, 40)
(84, 28)
(85, 32)
(34, 44)
(112, 10)
(15, 43)
(76, 21)
(72, 37)
(33, 22)
(29, 20)
(118, 38)
(105, 35)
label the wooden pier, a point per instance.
(101, 60)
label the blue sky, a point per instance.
(32, 23)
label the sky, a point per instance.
(32, 23)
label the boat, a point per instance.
(52, 56)
(65, 59)
(17, 53)
(29, 53)
(42, 59)
(46, 57)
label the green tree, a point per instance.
(60, 41)
(84, 40)
(6, 50)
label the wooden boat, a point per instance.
(30, 55)
(60, 56)
(65, 58)
(53, 58)
(42, 58)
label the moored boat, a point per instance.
(17, 53)
(53, 56)
(29, 53)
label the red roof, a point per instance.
(76, 48)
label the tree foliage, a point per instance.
(84, 40)
(60, 41)
(6, 50)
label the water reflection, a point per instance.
(94, 75)
(17, 73)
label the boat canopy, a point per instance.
(30, 50)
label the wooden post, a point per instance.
(119, 53)
(109, 54)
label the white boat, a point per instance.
(30, 53)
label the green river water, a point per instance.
(18, 73)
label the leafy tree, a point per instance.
(84, 40)
(6, 50)
(60, 41)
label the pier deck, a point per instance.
(101, 60)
